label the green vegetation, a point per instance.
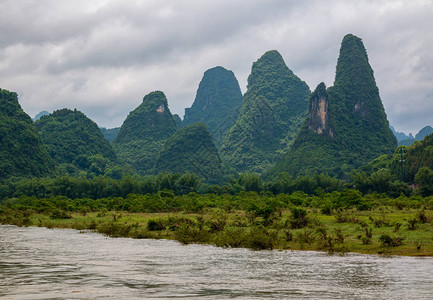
(22, 152)
(273, 110)
(387, 170)
(144, 132)
(76, 144)
(333, 222)
(419, 155)
(339, 187)
(217, 102)
(178, 121)
(191, 149)
(357, 129)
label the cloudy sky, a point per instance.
(103, 56)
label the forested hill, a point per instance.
(274, 107)
(144, 132)
(217, 102)
(347, 125)
(22, 152)
(75, 142)
(191, 149)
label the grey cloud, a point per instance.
(104, 56)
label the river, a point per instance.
(40, 263)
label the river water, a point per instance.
(40, 263)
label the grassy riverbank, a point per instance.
(374, 226)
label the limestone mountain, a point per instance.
(144, 131)
(401, 136)
(75, 142)
(347, 125)
(21, 152)
(191, 149)
(273, 110)
(407, 140)
(39, 115)
(110, 133)
(427, 130)
(217, 102)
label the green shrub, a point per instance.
(60, 214)
(298, 218)
(155, 225)
(390, 241)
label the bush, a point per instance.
(390, 241)
(60, 214)
(155, 225)
(260, 238)
(299, 218)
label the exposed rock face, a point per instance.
(274, 108)
(144, 132)
(217, 102)
(347, 130)
(22, 152)
(318, 112)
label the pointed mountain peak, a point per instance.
(144, 132)
(216, 103)
(269, 63)
(274, 109)
(155, 101)
(353, 67)
(150, 120)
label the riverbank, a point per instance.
(384, 230)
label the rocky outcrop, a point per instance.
(347, 125)
(318, 115)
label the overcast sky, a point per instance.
(102, 57)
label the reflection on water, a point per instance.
(39, 263)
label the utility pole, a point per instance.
(401, 162)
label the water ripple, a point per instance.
(39, 263)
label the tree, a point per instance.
(424, 178)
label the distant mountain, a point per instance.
(273, 110)
(110, 134)
(39, 115)
(401, 136)
(75, 142)
(144, 132)
(347, 125)
(21, 151)
(217, 102)
(423, 133)
(407, 140)
(191, 149)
